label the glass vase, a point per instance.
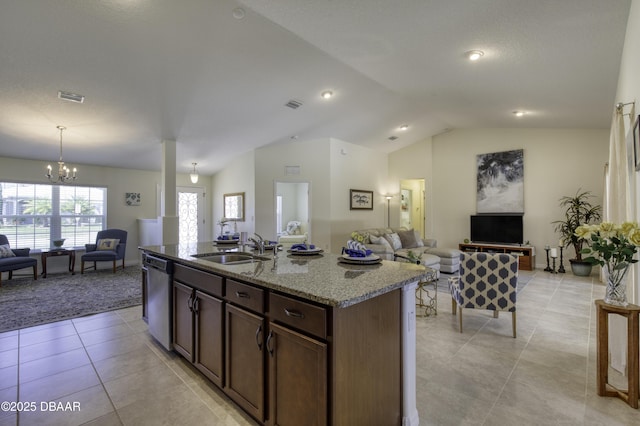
(616, 288)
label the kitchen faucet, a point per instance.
(259, 243)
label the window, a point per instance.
(31, 215)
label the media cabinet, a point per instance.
(527, 254)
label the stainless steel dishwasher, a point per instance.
(159, 299)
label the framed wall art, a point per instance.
(636, 143)
(132, 198)
(500, 182)
(360, 199)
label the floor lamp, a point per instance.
(388, 197)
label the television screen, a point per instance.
(496, 229)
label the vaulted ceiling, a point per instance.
(215, 75)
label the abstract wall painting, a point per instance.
(500, 186)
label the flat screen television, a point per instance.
(505, 229)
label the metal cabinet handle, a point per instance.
(190, 303)
(196, 305)
(269, 348)
(258, 339)
(293, 313)
(242, 295)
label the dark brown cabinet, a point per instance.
(198, 322)
(183, 320)
(297, 378)
(245, 360)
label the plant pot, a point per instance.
(580, 268)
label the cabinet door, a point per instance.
(144, 294)
(245, 360)
(209, 345)
(183, 320)
(297, 378)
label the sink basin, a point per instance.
(228, 258)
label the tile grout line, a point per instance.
(515, 365)
(115, 410)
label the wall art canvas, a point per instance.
(500, 186)
(132, 198)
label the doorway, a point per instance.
(413, 205)
(292, 205)
(190, 215)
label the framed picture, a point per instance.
(500, 185)
(360, 200)
(636, 142)
(132, 198)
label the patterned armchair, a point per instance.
(110, 246)
(486, 281)
(13, 259)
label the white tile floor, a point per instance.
(110, 366)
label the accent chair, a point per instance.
(486, 281)
(110, 246)
(14, 259)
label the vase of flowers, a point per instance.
(612, 247)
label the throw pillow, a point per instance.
(382, 241)
(5, 251)
(108, 244)
(419, 242)
(408, 239)
(394, 240)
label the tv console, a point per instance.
(527, 254)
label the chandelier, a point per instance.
(64, 174)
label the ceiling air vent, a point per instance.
(71, 97)
(293, 104)
(392, 138)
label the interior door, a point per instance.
(190, 215)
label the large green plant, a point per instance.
(578, 211)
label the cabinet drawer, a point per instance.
(245, 295)
(201, 280)
(303, 316)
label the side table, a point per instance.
(630, 312)
(430, 304)
(58, 252)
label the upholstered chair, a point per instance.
(110, 246)
(14, 259)
(486, 281)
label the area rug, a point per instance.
(25, 302)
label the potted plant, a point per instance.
(578, 211)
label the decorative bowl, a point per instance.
(58, 243)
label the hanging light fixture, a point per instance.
(194, 174)
(64, 173)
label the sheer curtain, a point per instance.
(618, 207)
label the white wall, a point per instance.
(356, 167)
(312, 157)
(557, 162)
(629, 91)
(238, 176)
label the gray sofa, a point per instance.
(440, 259)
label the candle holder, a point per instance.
(553, 270)
(547, 269)
(561, 267)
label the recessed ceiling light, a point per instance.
(518, 113)
(327, 94)
(474, 55)
(238, 13)
(404, 127)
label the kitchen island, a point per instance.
(299, 339)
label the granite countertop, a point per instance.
(320, 278)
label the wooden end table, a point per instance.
(631, 313)
(58, 252)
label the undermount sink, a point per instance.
(228, 258)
